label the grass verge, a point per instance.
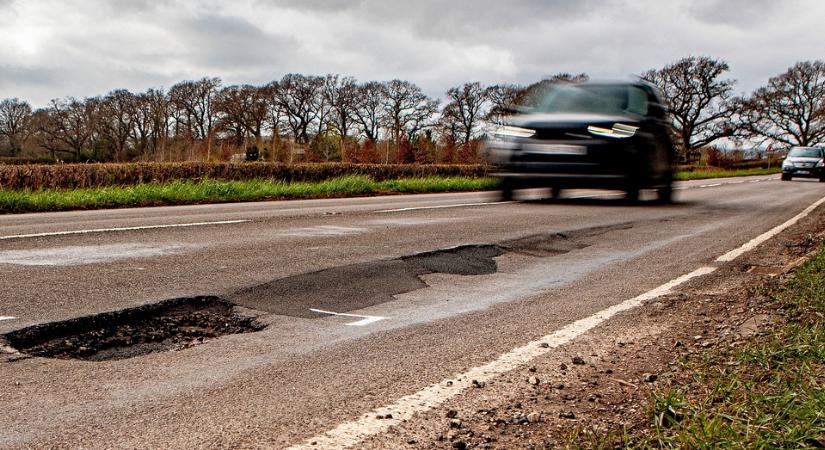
(214, 191)
(218, 191)
(707, 174)
(770, 393)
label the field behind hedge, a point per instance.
(35, 177)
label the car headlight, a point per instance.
(787, 163)
(619, 131)
(821, 163)
(517, 132)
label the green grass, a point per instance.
(768, 394)
(214, 191)
(706, 174)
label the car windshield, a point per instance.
(805, 152)
(601, 99)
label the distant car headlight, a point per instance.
(619, 131)
(511, 132)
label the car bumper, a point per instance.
(568, 175)
(804, 172)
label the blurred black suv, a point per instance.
(806, 162)
(587, 135)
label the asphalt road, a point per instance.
(429, 285)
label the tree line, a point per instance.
(335, 118)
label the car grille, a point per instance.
(563, 134)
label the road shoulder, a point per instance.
(602, 383)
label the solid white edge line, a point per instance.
(753, 243)
(7, 318)
(351, 433)
(108, 230)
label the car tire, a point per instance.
(555, 192)
(822, 179)
(664, 194)
(507, 187)
(631, 194)
(786, 177)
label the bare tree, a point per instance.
(407, 109)
(503, 99)
(67, 125)
(152, 123)
(275, 118)
(244, 112)
(118, 117)
(45, 126)
(701, 102)
(14, 123)
(299, 98)
(791, 108)
(369, 112)
(466, 109)
(196, 101)
(341, 95)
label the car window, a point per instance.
(805, 152)
(602, 99)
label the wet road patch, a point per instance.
(168, 325)
(86, 254)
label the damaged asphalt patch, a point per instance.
(183, 322)
(169, 325)
(356, 286)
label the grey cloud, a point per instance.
(216, 41)
(88, 47)
(741, 13)
(314, 5)
(12, 77)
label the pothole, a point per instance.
(463, 260)
(169, 325)
(552, 244)
(357, 286)
(543, 245)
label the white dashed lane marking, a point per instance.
(323, 230)
(87, 254)
(365, 320)
(7, 318)
(457, 205)
(111, 230)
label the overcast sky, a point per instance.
(55, 48)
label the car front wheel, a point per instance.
(507, 187)
(664, 194)
(786, 177)
(631, 194)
